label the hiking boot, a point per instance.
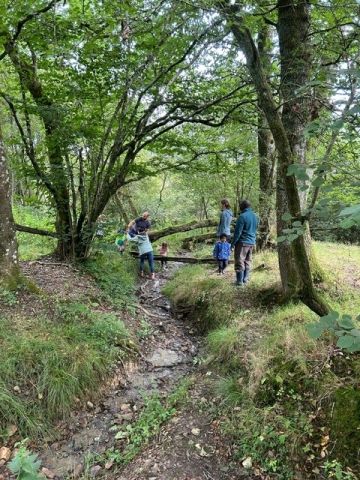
(246, 275)
(239, 278)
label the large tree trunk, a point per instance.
(286, 156)
(186, 227)
(295, 56)
(57, 181)
(267, 158)
(293, 25)
(9, 270)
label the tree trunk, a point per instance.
(286, 156)
(9, 269)
(295, 56)
(267, 157)
(186, 227)
(57, 181)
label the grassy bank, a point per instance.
(290, 404)
(55, 353)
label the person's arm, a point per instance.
(132, 239)
(215, 251)
(131, 224)
(238, 229)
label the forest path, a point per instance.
(188, 447)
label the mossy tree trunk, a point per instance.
(267, 156)
(296, 65)
(9, 269)
(286, 156)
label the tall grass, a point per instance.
(54, 364)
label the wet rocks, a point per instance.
(164, 358)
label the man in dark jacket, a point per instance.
(244, 242)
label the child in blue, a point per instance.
(222, 252)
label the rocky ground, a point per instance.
(188, 447)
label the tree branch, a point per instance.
(11, 42)
(35, 231)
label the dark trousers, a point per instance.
(149, 256)
(222, 265)
(243, 257)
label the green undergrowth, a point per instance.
(289, 402)
(32, 246)
(55, 354)
(115, 274)
(49, 364)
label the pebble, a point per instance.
(17, 389)
(5, 453)
(90, 405)
(247, 463)
(48, 473)
(95, 470)
(78, 470)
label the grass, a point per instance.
(58, 353)
(289, 390)
(31, 246)
(115, 274)
(46, 366)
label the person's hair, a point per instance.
(223, 236)
(244, 204)
(164, 244)
(225, 202)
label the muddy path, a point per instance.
(188, 447)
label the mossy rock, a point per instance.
(345, 426)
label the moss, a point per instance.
(11, 279)
(284, 378)
(345, 426)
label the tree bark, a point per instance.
(286, 157)
(189, 241)
(9, 269)
(267, 157)
(181, 228)
(295, 58)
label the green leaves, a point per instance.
(25, 464)
(350, 215)
(341, 326)
(299, 171)
(291, 234)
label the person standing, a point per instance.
(141, 223)
(145, 251)
(226, 217)
(244, 241)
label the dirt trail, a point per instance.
(189, 447)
